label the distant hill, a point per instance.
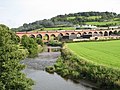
(100, 19)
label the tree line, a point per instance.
(65, 21)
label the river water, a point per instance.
(45, 81)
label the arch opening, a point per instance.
(52, 37)
(46, 37)
(105, 33)
(60, 36)
(39, 36)
(90, 33)
(32, 36)
(100, 33)
(110, 33)
(67, 34)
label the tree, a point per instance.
(11, 77)
(31, 45)
(39, 41)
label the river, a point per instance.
(45, 81)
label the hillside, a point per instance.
(100, 19)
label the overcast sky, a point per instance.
(14, 13)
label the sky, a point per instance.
(15, 13)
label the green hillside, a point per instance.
(60, 22)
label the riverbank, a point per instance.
(72, 66)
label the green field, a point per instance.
(103, 23)
(90, 17)
(106, 53)
(53, 29)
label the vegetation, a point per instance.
(69, 20)
(104, 24)
(11, 77)
(39, 41)
(94, 61)
(31, 45)
(50, 69)
(54, 43)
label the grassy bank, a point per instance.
(104, 74)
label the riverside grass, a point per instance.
(106, 53)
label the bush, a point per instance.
(31, 45)
(54, 43)
(71, 66)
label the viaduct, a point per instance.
(47, 35)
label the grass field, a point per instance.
(103, 23)
(52, 29)
(105, 53)
(90, 17)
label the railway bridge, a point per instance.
(48, 35)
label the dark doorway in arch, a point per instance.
(105, 33)
(46, 37)
(32, 36)
(39, 36)
(52, 37)
(110, 33)
(100, 33)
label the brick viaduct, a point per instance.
(50, 34)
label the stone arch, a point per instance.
(78, 34)
(115, 32)
(72, 33)
(60, 36)
(84, 33)
(72, 36)
(67, 34)
(110, 33)
(32, 36)
(95, 34)
(46, 37)
(90, 33)
(101, 33)
(52, 37)
(39, 36)
(105, 33)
